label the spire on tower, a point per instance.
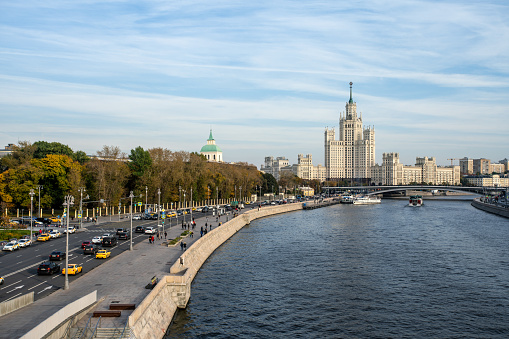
(351, 100)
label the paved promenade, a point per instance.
(121, 278)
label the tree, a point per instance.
(44, 148)
(140, 161)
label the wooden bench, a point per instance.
(106, 313)
(122, 306)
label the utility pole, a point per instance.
(39, 187)
(131, 195)
(69, 200)
(32, 193)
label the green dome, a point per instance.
(210, 148)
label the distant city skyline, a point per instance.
(431, 77)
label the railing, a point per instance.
(95, 329)
(86, 327)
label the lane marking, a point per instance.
(14, 296)
(16, 288)
(33, 275)
(36, 285)
(10, 285)
(47, 288)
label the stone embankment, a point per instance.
(153, 316)
(491, 208)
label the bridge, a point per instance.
(372, 190)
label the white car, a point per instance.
(70, 229)
(136, 217)
(150, 230)
(11, 246)
(25, 242)
(97, 240)
(106, 235)
(55, 234)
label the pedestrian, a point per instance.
(182, 245)
(153, 240)
(165, 234)
(201, 233)
(206, 225)
(185, 246)
(149, 239)
(192, 234)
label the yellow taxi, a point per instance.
(55, 219)
(43, 237)
(102, 254)
(73, 269)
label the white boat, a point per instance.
(346, 199)
(366, 200)
(415, 201)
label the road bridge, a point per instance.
(371, 190)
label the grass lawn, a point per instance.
(9, 234)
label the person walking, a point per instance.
(153, 240)
(185, 246)
(182, 245)
(149, 239)
(165, 234)
(191, 234)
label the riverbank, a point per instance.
(491, 208)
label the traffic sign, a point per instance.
(79, 216)
(139, 204)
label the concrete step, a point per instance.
(101, 333)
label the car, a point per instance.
(55, 220)
(72, 269)
(137, 217)
(124, 235)
(109, 241)
(55, 234)
(90, 249)
(11, 246)
(97, 240)
(139, 229)
(70, 230)
(106, 235)
(15, 240)
(199, 209)
(205, 209)
(48, 267)
(43, 237)
(25, 242)
(150, 230)
(121, 230)
(1, 281)
(57, 255)
(44, 221)
(102, 254)
(85, 243)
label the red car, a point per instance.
(85, 243)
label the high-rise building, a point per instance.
(353, 154)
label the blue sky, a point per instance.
(268, 77)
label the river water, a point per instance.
(345, 271)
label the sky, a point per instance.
(432, 77)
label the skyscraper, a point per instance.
(352, 156)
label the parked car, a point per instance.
(124, 235)
(109, 241)
(72, 269)
(57, 255)
(48, 268)
(97, 240)
(139, 229)
(11, 246)
(102, 254)
(43, 237)
(90, 249)
(25, 242)
(150, 230)
(85, 243)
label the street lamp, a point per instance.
(131, 195)
(69, 200)
(32, 193)
(39, 187)
(217, 196)
(191, 198)
(240, 198)
(81, 190)
(184, 206)
(158, 208)
(146, 197)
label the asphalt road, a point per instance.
(19, 268)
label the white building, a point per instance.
(391, 172)
(353, 154)
(304, 169)
(211, 151)
(494, 180)
(274, 166)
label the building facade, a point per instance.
(353, 154)
(274, 166)
(392, 172)
(304, 169)
(494, 180)
(211, 151)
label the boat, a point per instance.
(346, 199)
(366, 200)
(416, 200)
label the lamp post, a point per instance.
(69, 200)
(235, 192)
(217, 195)
(39, 187)
(184, 209)
(131, 195)
(158, 208)
(32, 193)
(240, 197)
(191, 199)
(81, 190)
(146, 198)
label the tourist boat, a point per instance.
(346, 199)
(416, 200)
(366, 200)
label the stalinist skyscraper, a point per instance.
(352, 156)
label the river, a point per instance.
(345, 271)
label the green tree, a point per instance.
(43, 148)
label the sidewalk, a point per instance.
(121, 279)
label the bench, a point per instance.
(106, 313)
(122, 306)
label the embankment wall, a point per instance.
(153, 316)
(490, 208)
